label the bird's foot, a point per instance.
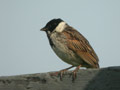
(74, 73)
(61, 72)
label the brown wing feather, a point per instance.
(79, 44)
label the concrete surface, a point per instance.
(87, 79)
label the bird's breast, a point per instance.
(60, 48)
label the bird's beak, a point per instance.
(43, 29)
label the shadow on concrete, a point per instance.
(105, 79)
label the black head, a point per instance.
(51, 25)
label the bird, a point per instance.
(70, 46)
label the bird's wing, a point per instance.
(80, 45)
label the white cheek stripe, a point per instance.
(61, 26)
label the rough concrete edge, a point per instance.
(68, 72)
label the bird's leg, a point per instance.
(61, 72)
(74, 75)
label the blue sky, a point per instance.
(25, 49)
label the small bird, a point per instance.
(70, 46)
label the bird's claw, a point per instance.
(74, 75)
(61, 73)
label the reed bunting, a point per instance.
(70, 46)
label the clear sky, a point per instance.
(25, 49)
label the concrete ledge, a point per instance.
(89, 79)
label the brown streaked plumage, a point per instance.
(80, 45)
(70, 45)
